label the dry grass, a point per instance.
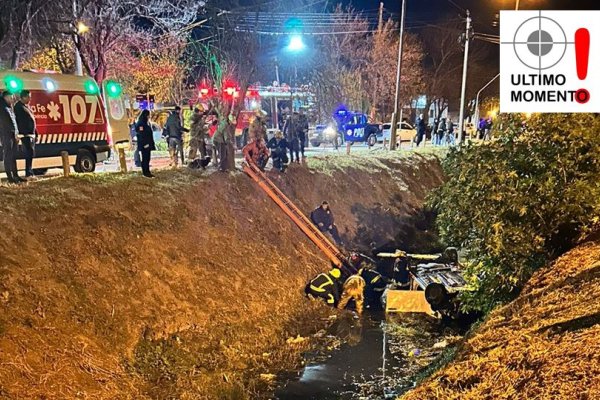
(182, 287)
(544, 345)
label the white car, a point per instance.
(404, 133)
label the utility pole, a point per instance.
(517, 6)
(461, 121)
(380, 25)
(398, 74)
(78, 63)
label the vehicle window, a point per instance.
(406, 126)
(387, 126)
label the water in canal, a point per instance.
(357, 369)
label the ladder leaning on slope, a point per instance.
(334, 254)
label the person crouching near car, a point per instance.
(145, 141)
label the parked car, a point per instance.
(327, 134)
(405, 132)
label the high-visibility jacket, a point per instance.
(354, 289)
(373, 280)
(325, 286)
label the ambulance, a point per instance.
(72, 114)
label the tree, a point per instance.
(382, 69)
(520, 200)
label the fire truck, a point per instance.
(72, 114)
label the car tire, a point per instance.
(372, 140)
(315, 144)
(85, 162)
(40, 171)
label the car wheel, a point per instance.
(85, 163)
(40, 171)
(315, 144)
(372, 140)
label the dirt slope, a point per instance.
(183, 287)
(544, 345)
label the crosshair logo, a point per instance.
(540, 43)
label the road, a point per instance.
(160, 160)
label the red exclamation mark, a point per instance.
(582, 52)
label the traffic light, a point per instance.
(91, 87)
(13, 84)
(113, 89)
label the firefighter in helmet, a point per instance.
(327, 286)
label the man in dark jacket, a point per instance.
(323, 219)
(174, 132)
(9, 138)
(302, 130)
(375, 285)
(291, 134)
(420, 130)
(27, 130)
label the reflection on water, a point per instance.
(364, 357)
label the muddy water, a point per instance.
(363, 364)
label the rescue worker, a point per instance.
(258, 126)
(27, 130)
(256, 152)
(174, 132)
(145, 141)
(326, 286)
(9, 138)
(353, 289)
(221, 138)
(198, 134)
(278, 146)
(323, 219)
(375, 285)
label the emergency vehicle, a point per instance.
(72, 114)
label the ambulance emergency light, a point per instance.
(13, 84)
(91, 87)
(113, 89)
(49, 85)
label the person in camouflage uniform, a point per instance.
(198, 134)
(354, 289)
(258, 127)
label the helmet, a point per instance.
(336, 273)
(278, 134)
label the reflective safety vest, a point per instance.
(373, 279)
(326, 286)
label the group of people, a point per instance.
(443, 132)
(17, 129)
(216, 123)
(259, 148)
(358, 283)
(484, 129)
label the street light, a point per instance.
(296, 44)
(82, 28)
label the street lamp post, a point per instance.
(477, 98)
(517, 5)
(461, 120)
(398, 75)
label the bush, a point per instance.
(516, 203)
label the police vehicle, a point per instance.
(355, 127)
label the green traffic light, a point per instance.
(113, 89)
(13, 84)
(91, 87)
